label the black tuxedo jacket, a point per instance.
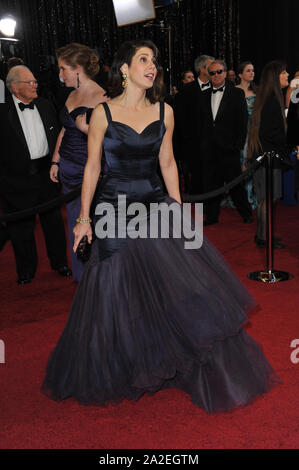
(14, 154)
(187, 104)
(229, 130)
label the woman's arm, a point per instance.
(82, 120)
(166, 158)
(97, 128)
(56, 157)
(81, 123)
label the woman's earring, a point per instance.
(124, 80)
(78, 81)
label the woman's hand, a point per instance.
(81, 123)
(79, 231)
(54, 173)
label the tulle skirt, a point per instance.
(152, 316)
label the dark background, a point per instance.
(231, 29)
(269, 30)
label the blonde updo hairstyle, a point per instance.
(78, 54)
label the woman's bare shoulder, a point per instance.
(98, 116)
(168, 113)
(168, 109)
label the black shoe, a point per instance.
(275, 239)
(263, 243)
(24, 280)
(260, 242)
(278, 245)
(64, 271)
(210, 222)
(248, 220)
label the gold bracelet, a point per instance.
(83, 221)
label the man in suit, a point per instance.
(29, 131)
(224, 116)
(187, 124)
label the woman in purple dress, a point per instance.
(77, 66)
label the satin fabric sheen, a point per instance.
(149, 314)
(73, 157)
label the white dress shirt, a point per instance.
(202, 83)
(215, 102)
(2, 92)
(34, 131)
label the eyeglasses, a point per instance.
(31, 83)
(216, 71)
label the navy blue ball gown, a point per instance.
(73, 157)
(149, 314)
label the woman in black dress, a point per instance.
(268, 133)
(148, 313)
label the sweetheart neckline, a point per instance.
(69, 112)
(132, 128)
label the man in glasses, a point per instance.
(187, 125)
(29, 132)
(224, 116)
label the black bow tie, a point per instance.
(23, 106)
(218, 89)
(204, 85)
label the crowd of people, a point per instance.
(138, 324)
(222, 120)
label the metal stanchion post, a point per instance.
(269, 211)
(269, 274)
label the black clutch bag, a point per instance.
(83, 249)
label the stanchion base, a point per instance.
(270, 276)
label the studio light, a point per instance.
(133, 11)
(7, 26)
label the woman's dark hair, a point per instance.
(183, 74)
(13, 61)
(269, 86)
(241, 69)
(78, 54)
(124, 55)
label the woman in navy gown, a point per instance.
(77, 66)
(149, 314)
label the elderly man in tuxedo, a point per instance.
(187, 106)
(224, 116)
(28, 136)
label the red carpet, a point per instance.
(33, 316)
